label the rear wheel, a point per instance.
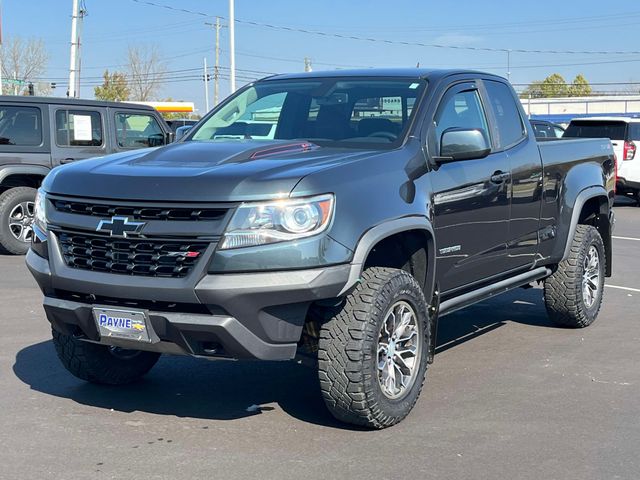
(372, 354)
(101, 363)
(16, 219)
(573, 294)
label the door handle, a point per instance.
(66, 160)
(500, 177)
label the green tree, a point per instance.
(114, 88)
(552, 86)
(580, 87)
(555, 86)
(534, 90)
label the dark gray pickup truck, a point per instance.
(372, 204)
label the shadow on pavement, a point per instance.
(226, 390)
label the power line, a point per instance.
(387, 41)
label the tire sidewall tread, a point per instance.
(348, 350)
(563, 289)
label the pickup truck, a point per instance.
(386, 200)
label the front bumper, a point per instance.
(249, 315)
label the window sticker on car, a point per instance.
(82, 128)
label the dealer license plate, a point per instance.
(125, 324)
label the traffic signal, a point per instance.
(31, 90)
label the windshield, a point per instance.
(356, 113)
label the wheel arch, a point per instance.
(415, 232)
(592, 208)
(22, 176)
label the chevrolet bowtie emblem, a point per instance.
(119, 227)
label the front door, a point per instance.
(470, 198)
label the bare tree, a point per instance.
(23, 60)
(146, 72)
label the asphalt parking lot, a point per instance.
(509, 396)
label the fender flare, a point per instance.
(583, 197)
(23, 170)
(374, 235)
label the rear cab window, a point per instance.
(138, 130)
(21, 126)
(510, 126)
(613, 130)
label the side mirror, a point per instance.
(463, 144)
(169, 138)
(182, 131)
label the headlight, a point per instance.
(40, 215)
(278, 221)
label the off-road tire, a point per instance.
(563, 291)
(97, 364)
(8, 200)
(347, 350)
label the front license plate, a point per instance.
(125, 324)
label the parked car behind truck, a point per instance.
(38, 134)
(386, 200)
(624, 133)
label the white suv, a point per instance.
(624, 133)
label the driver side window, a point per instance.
(461, 110)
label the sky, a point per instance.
(184, 39)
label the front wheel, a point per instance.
(372, 355)
(101, 363)
(573, 294)
(17, 207)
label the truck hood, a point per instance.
(199, 171)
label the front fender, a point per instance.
(7, 171)
(378, 233)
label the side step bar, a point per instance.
(456, 303)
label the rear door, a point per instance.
(78, 133)
(512, 138)
(470, 197)
(24, 134)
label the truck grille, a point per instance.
(150, 258)
(140, 212)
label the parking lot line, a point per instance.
(629, 289)
(626, 238)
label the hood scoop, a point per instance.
(283, 149)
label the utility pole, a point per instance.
(509, 65)
(232, 46)
(206, 85)
(74, 60)
(216, 69)
(307, 64)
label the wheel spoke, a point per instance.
(398, 350)
(391, 377)
(404, 323)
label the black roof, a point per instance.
(80, 102)
(430, 73)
